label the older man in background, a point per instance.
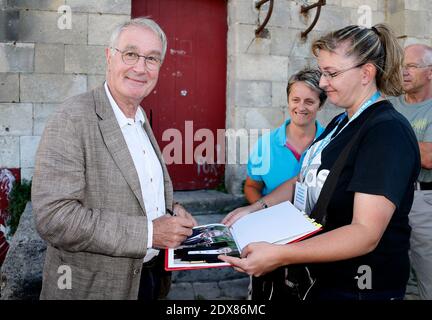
(416, 106)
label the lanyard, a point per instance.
(320, 145)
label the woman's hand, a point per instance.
(236, 214)
(256, 259)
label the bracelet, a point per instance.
(262, 203)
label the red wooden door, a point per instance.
(191, 92)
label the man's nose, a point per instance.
(141, 65)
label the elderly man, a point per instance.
(416, 106)
(101, 189)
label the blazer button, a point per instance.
(136, 271)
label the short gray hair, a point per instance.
(427, 52)
(139, 22)
(311, 77)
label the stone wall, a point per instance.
(258, 68)
(43, 62)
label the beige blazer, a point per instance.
(87, 203)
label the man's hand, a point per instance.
(170, 231)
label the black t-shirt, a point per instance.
(384, 161)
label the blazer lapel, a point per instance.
(115, 142)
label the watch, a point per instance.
(262, 203)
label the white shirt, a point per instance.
(147, 165)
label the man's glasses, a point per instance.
(131, 58)
(414, 66)
(332, 75)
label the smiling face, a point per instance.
(129, 84)
(415, 80)
(303, 104)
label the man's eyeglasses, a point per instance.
(332, 75)
(131, 58)
(414, 66)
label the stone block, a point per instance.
(205, 275)
(295, 64)
(241, 39)
(16, 57)
(43, 27)
(373, 4)
(51, 87)
(417, 24)
(9, 24)
(331, 18)
(181, 291)
(236, 289)
(418, 5)
(396, 6)
(260, 67)
(101, 6)
(242, 11)
(94, 81)
(9, 152)
(28, 147)
(206, 290)
(22, 269)
(36, 5)
(259, 118)
(85, 59)
(235, 175)
(41, 113)
(397, 21)
(279, 95)
(253, 94)
(287, 42)
(282, 15)
(16, 119)
(49, 58)
(101, 25)
(9, 87)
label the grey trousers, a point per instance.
(420, 219)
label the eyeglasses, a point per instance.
(332, 75)
(131, 58)
(413, 66)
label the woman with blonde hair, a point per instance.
(362, 252)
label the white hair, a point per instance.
(426, 54)
(139, 22)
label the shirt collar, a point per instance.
(281, 132)
(120, 116)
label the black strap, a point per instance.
(319, 212)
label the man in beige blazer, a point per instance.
(100, 187)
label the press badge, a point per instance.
(300, 196)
